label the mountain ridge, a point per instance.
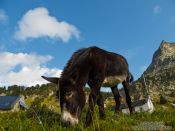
(159, 78)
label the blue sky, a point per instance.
(39, 36)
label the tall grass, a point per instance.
(27, 120)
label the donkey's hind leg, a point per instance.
(128, 98)
(117, 98)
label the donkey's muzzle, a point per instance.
(68, 119)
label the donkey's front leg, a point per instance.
(92, 102)
(100, 103)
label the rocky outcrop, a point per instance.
(159, 77)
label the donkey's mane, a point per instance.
(73, 61)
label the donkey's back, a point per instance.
(113, 67)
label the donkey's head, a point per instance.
(72, 100)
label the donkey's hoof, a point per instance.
(87, 124)
(117, 110)
(102, 117)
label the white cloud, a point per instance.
(31, 68)
(3, 16)
(157, 9)
(38, 23)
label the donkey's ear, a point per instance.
(54, 80)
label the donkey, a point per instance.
(97, 68)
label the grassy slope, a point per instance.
(50, 119)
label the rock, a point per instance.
(173, 105)
(159, 76)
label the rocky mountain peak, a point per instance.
(160, 74)
(163, 57)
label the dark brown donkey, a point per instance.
(97, 68)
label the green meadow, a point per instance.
(40, 118)
(43, 114)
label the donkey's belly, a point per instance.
(111, 81)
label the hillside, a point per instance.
(159, 76)
(43, 113)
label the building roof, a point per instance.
(135, 103)
(7, 102)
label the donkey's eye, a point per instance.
(69, 94)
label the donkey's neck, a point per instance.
(83, 77)
(78, 73)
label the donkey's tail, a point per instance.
(131, 78)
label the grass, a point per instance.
(27, 121)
